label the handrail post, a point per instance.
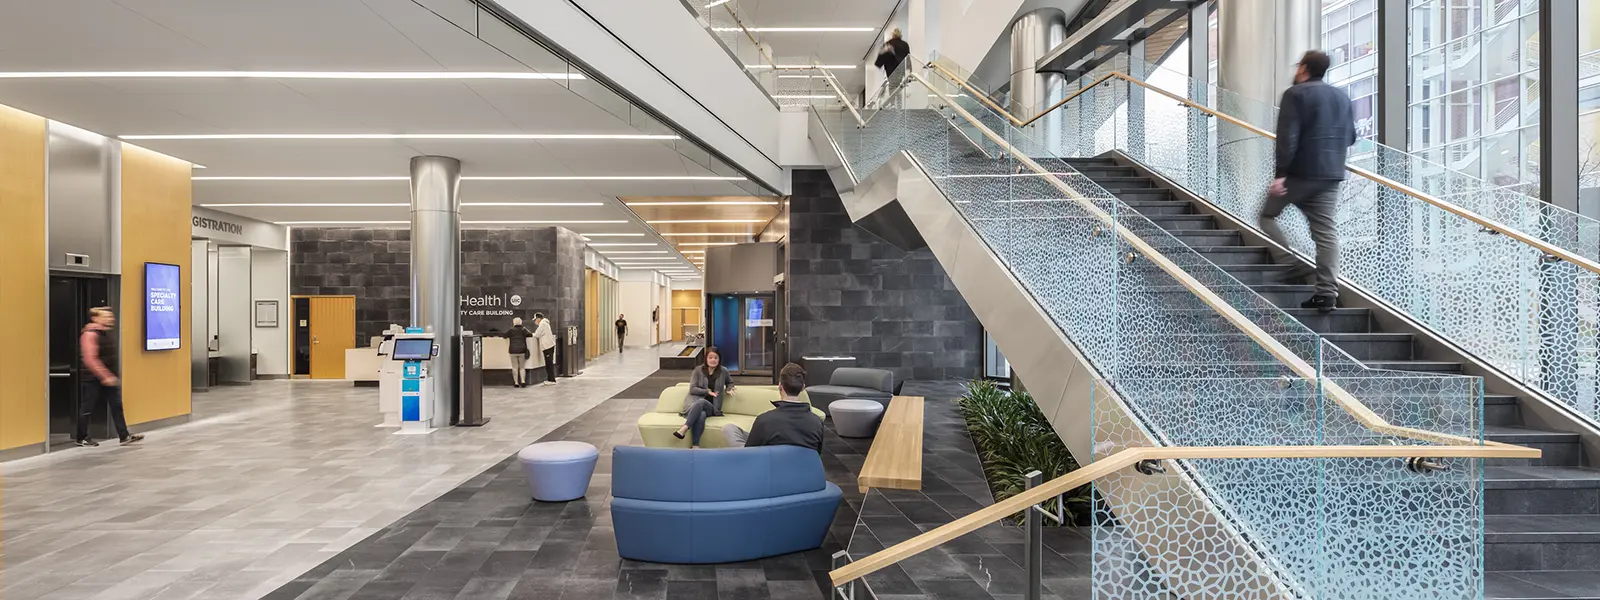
(848, 590)
(1034, 548)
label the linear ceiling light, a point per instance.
(798, 29)
(707, 203)
(344, 222)
(611, 252)
(399, 136)
(541, 222)
(716, 3)
(613, 235)
(693, 221)
(471, 178)
(609, 244)
(387, 204)
(704, 234)
(622, 259)
(709, 244)
(415, 75)
(800, 66)
(805, 96)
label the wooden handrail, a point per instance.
(1481, 220)
(1354, 407)
(1116, 462)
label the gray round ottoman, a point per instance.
(855, 418)
(558, 471)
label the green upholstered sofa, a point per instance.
(740, 407)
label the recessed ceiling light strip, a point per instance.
(395, 136)
(391, 75)
(694, 221)
(469, 178)
(384, 204)
(707, 203)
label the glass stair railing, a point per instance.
(1187, 356)
(1513, 281)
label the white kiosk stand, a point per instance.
(415, 351)
(389, 380)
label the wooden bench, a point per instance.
(895, 460)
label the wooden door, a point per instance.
(333, 330)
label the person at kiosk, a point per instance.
(517, 347)
(547, 345)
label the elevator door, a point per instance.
(755, 345)
(333, 330)
(71, 297)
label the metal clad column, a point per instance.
(1033, 35)
(1258, 43)
(436, 268)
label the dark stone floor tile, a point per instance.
(691, 573)
(691, 590)
(741, 584)
(954, 589)
(486, 589)
(1581, 584)
(641, 585)
(923, 512)
(557, 555)
(383, 590)
(1504, 586)
(506, 564)
(589, 589)
(788, 567)
(794, 590)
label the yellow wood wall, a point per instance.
(156, 200)
(24, 366)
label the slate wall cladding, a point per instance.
(851, 293)
(543, 266)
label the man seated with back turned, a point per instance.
(791, 424)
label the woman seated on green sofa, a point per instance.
(707, 386)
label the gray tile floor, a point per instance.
(266, 482)
(486, 540)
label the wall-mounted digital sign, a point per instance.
(163, 306)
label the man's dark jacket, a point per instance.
(1315, 131)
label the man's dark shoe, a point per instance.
(1321, 303)
(86, 442)
(132, 438)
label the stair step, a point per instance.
(1501, 410)
(1124, 183)
(1099, 171)
(1561, 449)
(1338, 320)
(1235, 255)
(1184, 222)
(1374, 346)
(1542, 585)
(1141, 194)
(1160, 207)
(1207, 237)
(1089, 162)
(1417, 366)
(1541, 491)
(1284, 295)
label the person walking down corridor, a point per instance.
(547, 346)
(622, 331)
(98, 348)
(517, 347)
(892, 54)
(1316, 128)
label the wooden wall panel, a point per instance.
(24, 288)
(156, 209)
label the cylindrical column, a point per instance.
(1259, 41)
(436, 268)
(1033, 35)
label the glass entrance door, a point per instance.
(756, 343)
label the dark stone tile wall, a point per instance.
(851, 293)
(542, 266)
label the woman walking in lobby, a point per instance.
(707, 386)
(547, 346)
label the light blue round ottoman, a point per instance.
(855, 418)
(558, 471)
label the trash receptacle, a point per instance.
(571, 353)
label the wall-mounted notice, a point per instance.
(163, 314)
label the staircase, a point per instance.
(1542, 534)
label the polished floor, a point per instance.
(267, 482)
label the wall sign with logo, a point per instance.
(491, 305)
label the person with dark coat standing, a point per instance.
(98, 348)
(517, 347)
(1316, 127)
(622, 331)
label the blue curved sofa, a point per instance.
(718, 505)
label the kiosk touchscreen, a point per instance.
(413, 349)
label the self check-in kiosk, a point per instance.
(415, 351)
